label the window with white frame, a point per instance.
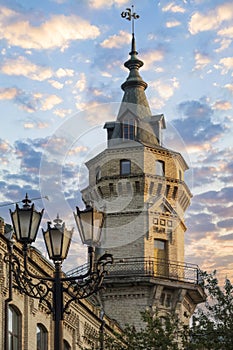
(129, 128)
(14, 328)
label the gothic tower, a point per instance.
(140, 184)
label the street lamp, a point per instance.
(26, 221)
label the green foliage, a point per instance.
(163, 333)
(159, 333)
(212, 326)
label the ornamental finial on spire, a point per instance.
(129, 14)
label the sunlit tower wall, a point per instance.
(140, 185)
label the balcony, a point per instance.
(171, 274)
(156, 268)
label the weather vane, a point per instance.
(129, 14)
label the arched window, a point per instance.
(125, 167)
(66, 345)
(129, 128)
(41, 337)
(159, 168)
(14, 328)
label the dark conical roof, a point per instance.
(134, 87)
(135, 107)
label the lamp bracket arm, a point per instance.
(25, 284)
(81, 288)
(29, 273)
(86, 274)
(77, 277)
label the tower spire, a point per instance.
(134, 86)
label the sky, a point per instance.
(61, 69)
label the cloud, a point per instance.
(103, 3)
(5, 150)
(29, 125)
(81, 84)
(64, 72)
(227, 224)
(49, 102)
(210, 225)
(196, 116)
(8, 93)
(77, 150)
(223, 196)
(25, 101)
(173, 24)
(172, 7)
(57, 32)
(56, 84)
(224, 44)
(201, 61)
(22, 66)
(222, 105)
(150, 57)
(229, 87)
(165, 89)
(30, 157)
(201, 22)
(62, 112)
(35, 125)
(227, 62)
(226, 32)
(117, 41)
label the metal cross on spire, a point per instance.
(129, 14)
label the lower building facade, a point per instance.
(26, 322)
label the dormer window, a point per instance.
(129, 128)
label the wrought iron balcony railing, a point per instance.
(156, 268)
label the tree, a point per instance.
(212, 326)
(159, 333)
(163, 333)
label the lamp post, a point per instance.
(51, 290)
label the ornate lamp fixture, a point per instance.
(89, 223)
(51, 290)
(26, 221)
(57, 240)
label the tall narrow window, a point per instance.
(14, 329)
(97, 174)
(174, 193)
(151, 188)
(160, 254)
(137, 186)
(129, 127)
(41, 337)
(159, 168)
(125, 167)
(159, 188)
(167, 190)
(111, 188)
